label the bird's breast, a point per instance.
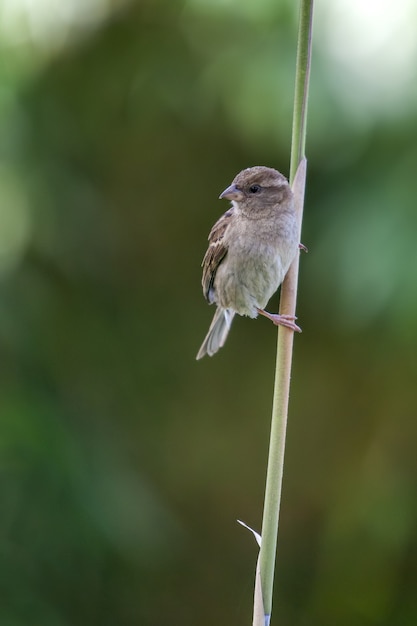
(258, 257)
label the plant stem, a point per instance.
(302, 80)
(285, 336)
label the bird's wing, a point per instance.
(216, 252)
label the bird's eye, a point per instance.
(254, 188)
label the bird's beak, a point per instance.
(232, 193)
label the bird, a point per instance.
(251, 248)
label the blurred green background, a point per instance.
(124, 463)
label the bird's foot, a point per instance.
(302, 247)
(281, 320)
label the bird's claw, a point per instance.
(281, 320)
(287, 321)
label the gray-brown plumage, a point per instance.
(250, 250)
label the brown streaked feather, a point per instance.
(215, 252)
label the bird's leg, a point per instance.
(281, 320)
(302, 247)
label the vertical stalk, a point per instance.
(302, 80)
(265, 572)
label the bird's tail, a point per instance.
(217, 333)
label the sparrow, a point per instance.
(251, 248)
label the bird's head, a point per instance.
(256, 189)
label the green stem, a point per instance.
(285, 336)
(302, 80)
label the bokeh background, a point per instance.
(124, 462)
